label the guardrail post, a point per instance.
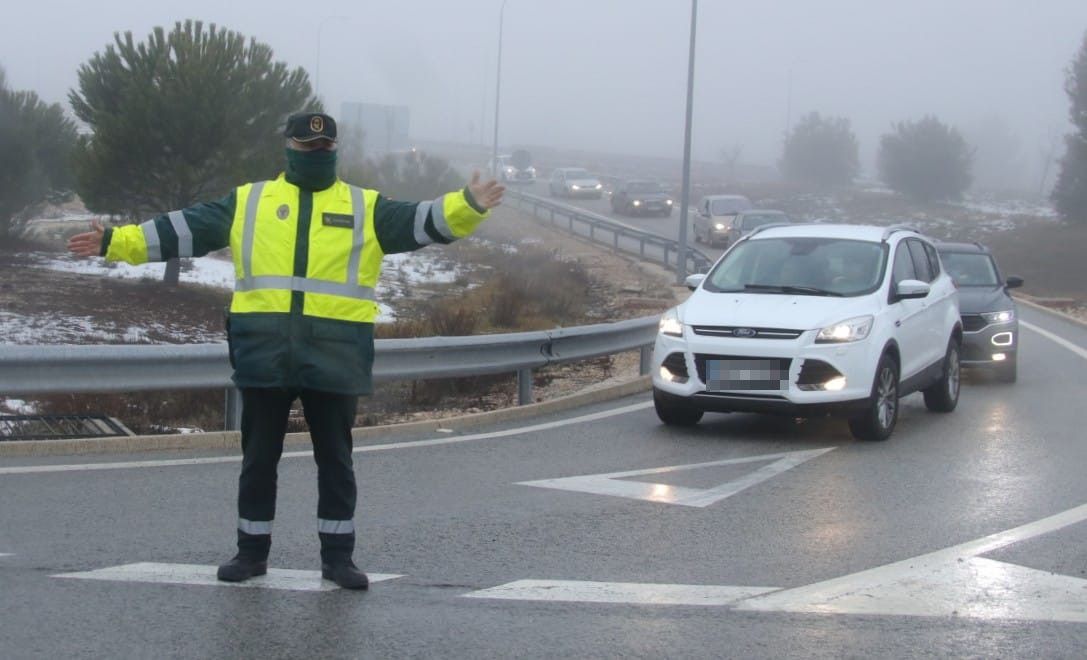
(592, 231)
(666, 263)
(233, 409)
(645, 354)
(552, 217)
(524, 387)
(616, 240)
(641, 248)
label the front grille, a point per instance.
(973, 322)
(745, 332)
(781, 365)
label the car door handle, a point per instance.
(898, 323)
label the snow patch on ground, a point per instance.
(206, 271)
(70, 329)
(17, 407)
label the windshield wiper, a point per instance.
(795, 290)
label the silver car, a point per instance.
(726, 229)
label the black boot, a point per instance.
(345, 574)
(240, 569)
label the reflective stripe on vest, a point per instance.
(437, 212)
(151, 237)
(249, 228)
(184, 236)
(305, 285)
(421, 211)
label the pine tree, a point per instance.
(927, 160)
(822, 151)
(181, 117)
(36, 141)
(1070, 192)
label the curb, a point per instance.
(231, 439)
(1049, 310)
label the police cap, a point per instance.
(309, 126)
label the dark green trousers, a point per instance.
(264, 423)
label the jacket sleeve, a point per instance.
(190, 232)
(407, 226)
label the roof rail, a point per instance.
(896, 228)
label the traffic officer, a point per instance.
(307, 250)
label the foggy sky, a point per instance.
(611, 74)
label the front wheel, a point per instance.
(674, 410)
(878, 420)
(943, 395)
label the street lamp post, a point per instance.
(685, 199)
(317, 73)
(497, 92)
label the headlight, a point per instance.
(574, 186)
(670, 324)
(510, 170)
(1007, 316)
(531, 170)
(668, 202)
(854, 329)
(599, 186)
(637, 202)
(719, 225)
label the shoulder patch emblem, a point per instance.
(283, 211)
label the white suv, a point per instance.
(808, 320)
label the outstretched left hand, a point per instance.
(488, 194)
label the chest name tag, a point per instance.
(338, 220)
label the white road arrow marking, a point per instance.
(195, 574)
(949, 582)
(573, 591)
(612, 483)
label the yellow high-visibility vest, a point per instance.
(344, 256)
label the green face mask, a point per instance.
(311, 170)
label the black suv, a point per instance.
(990, 322)
(641, 198)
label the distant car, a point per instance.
(575, 182)
(743, 223)
(641, 198)
(714, 215)
(507, 172)
(990, 320)
(810, 320)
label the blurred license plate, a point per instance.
(753, 374)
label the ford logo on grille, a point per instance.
(744, 332)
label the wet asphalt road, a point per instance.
(453, 519)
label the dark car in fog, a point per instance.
(990, 320)
(641, 198)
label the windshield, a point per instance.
(970, 268)
(578, 174)
(729, 206)
(760, 219)
(644, 187)
(801, 265)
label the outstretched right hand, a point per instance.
(88, 244)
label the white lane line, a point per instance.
(630, 593)
(613, 483)
(209, 460)
(196, 574)
(1057, 339)
(953, 581)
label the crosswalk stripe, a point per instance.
(197, 574)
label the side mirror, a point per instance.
(1013, 282)
(693, 281)
(911, 290)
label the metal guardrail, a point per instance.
(602, 229)
(28, 370)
